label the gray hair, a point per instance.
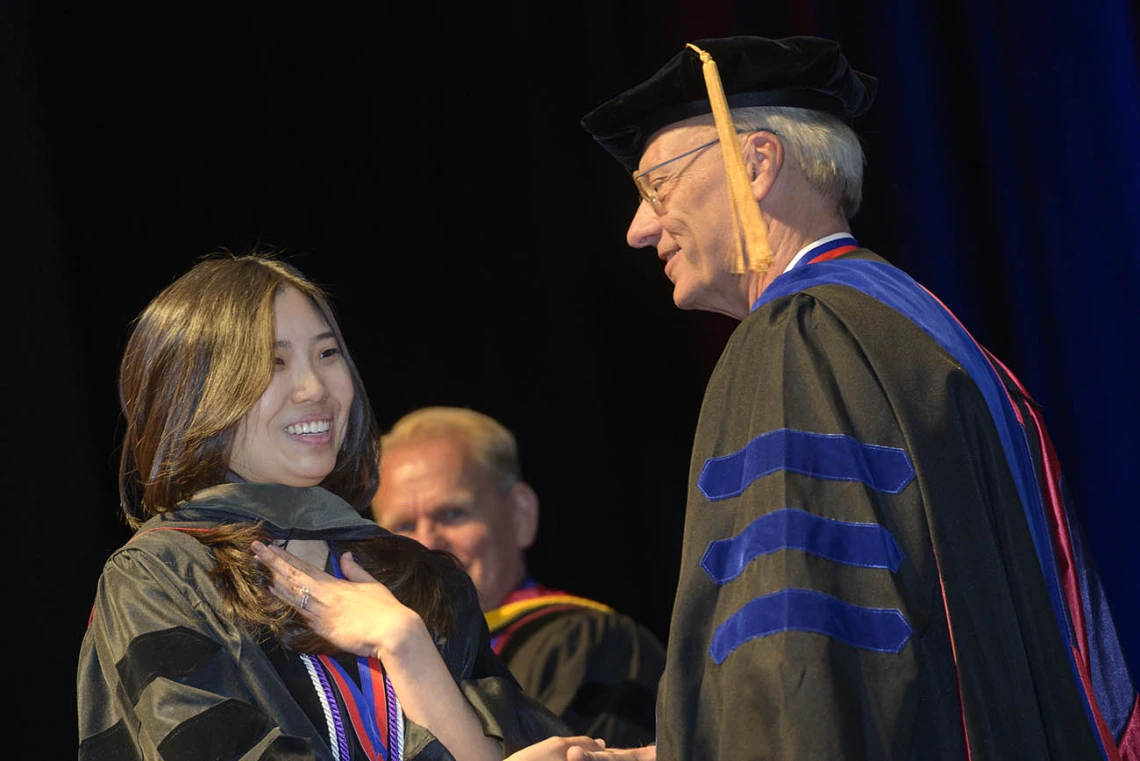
(827, 150)
(486, 440)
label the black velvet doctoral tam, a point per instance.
(801, 72)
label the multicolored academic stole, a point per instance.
(528, 603)
(372, 707)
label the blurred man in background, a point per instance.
(450, 478)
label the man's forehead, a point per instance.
(432, 469)
(676, 138)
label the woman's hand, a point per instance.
(580, 748)
(357, 614)
(360, 615)
(647, 753)
(555, 749)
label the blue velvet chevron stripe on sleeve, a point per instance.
(880, 629)
(866, 545)
(821, 455)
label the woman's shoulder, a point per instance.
(160, 579)
(161, 551)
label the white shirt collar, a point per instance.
(800, 255)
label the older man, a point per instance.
(878, 560)
(450, 478)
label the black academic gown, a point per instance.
(595, 668)
(864, 574)
(164, 673)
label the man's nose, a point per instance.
(645, 228)
(431, 537)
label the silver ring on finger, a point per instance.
(304, 597)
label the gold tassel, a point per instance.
(755, 255)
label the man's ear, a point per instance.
(763, 159)
(524, 513)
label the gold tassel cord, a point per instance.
(755, 255)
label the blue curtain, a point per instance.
(1014, 192)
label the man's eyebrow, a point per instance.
(458, 500)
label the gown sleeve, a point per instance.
(158, 678)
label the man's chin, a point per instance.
(683, 298)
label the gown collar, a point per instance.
(288, 511)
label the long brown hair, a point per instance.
(199, 358)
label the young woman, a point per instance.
(240, 622)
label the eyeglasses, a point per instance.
(648, 189)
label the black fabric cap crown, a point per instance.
(804, 72)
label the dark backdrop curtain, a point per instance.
(424, 161)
